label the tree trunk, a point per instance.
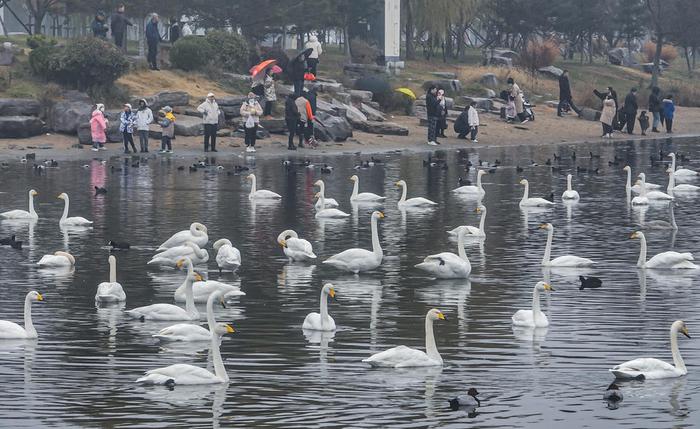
(590, 47)
(657, 59)
(687, 60)
(410, 31)
(348, 51)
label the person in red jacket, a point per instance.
(98, 128)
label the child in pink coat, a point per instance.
(98, 128)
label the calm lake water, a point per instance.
(81, 371)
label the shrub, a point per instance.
(87, 62)
(39, 40)
(40, 60)
(539, 54)
(191, 53)
(230, 50)
(668, 52)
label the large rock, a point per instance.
(501, 61)
(451, 86)
(551, 71)
(352, 113)
(329, 87)
(331, 128)
(481, 103)
(384, 128)
(589, 114)
(166, 98)
(326, 107)
(490, 93)
(66, 116)
(19, 107)
(489, 80)
(372, 113)
(274, 125)
(113, 133)
(231, 100)
(19, 127)
(621, 57)
(188, 126)
(360, 96)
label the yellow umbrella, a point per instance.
(407, 92)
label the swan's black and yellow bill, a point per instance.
(40, 297)
(684, 331)
(441, 316)
(229, 329)
(548, 287)
(331, 292)
(198, 277)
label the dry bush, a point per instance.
(539, 54)
(668, 52)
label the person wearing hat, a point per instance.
(210, 116)
(251, 111)
(166, 120)
(99, 26)
(98, 128)
(126, 127)
(142, 120)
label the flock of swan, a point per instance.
(187, 249)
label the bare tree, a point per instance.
(38, 10)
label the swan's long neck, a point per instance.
(643, 186)
(548, 248)
(321, 201)
(322, 188)
(535, 303)
(568, 183)
(482, 222)
(112, 270)
(673, 162)
(404, 192)
(677, 358)
(526, 194)
(253, 186)
(324, 308)
(355, 189)
(210, 312)
(219, 368)
(376, 247)
(430, 347)
(31, 205)
(641, 262)
(478, 182)
(66, 205)
(629, 179)
(673, 216)
(460, 246)
(28, 325)
(189, 293)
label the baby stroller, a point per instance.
(528, 112)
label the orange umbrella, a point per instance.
(255, 70)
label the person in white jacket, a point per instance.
(210, 116)
(473, 119)
(312, 60)
(250, 112)
(142, 120)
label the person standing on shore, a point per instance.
(98, 128)
(607, 116)
(643, 122)
(119, 24)
(291, 117)
(295, 71)
(613, 95)
(317, 50)
(251, 111)
(305, 116)
(669, 113)
(270, 94)
(167, 123)
(99, 26)
(630, 110)
(126, 127)
(210, 116)
(518, 99)
(442, 113)
(144, 117)
(473, 117)
(655, 108)
(565, 94)
(432, 106)
(153, 39)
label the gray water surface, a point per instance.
(81, 371)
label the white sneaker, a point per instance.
(432, 144)
(475, 141)
(94, 149)
(252, 148)
(103, 148)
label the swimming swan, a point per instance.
(21, 214)
(473, 231)
(170, 257)
(297, 249)
(196, 234)
(532, 202)
(356, 260)
(665, 260)
(471, 190)
(261, 194)
(321, 321)
(569, 194)
(412, 202)
(227, 257)
(110, 291)
(534, 318)
(447, 265)
(562, 261)
(328, 213)
(71, 221)
(363, 197)
(58, 259)
(189, 331)
(328, 202)
(10, 330)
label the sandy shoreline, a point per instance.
(546, 130)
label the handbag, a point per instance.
(309, 76)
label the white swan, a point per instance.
(406, 357)
(636, 188)
(569, 194)
(58, 259)
(170, 257)
(262, 194)
(682, 172)
(201, 289)
(21, 214)
(473, 231)
(447, 265)
(534, 318)
(110, 291)
(653, 194)
(665, 260)
(526, 201)
(650, 368)
(471, 190)
(296, 249)
(70, 221)
(683, 187)
(196, 234)
(641, 199)
(356, 260)
(170, 311)
(321, 321)
(186, 374)
(328, 213)
(362, 197)
(562, 261)
(412, 202)
(189, 331)
(329, 203)
(227, 257)
(10, 330)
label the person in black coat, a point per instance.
(565, 93)
(153, 39)
(119, 24)
(99, 26)
(462, 124)
(655, 108)
(432, 106)
(630, 110)
(291, 117)
(296, 70)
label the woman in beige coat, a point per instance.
(607, 116)
(515, 93)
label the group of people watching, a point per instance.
(616, 117)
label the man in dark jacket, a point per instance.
(565, 93)
(153, 38)
(432, 106)
(99, 26)
(119, 24)
(630, 110)
(291, 117)
(655, 107)
(462, 124)
(296, 70)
